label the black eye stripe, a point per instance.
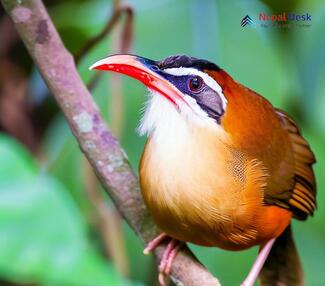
(181, 82)
(207, 98)
(211, 112)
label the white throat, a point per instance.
(164, 122)
(160, 117)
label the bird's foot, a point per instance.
(258, 264)
(153, 244)
(167, 260)
(170, 252)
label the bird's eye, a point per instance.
(195, 84)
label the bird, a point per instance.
(222, 167)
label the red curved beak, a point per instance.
(142, 69)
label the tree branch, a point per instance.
(100, 147)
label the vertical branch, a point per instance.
(107, 217)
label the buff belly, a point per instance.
(208, 195)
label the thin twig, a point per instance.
(109, 26)
(126, 36)
(101, 149)
(91, 85)
(122, 40)
(127, 32)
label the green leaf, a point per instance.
(43, 236)
(14, 160)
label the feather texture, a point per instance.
(303, 197)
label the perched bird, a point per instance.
(222, 167)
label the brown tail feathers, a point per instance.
(283, 267)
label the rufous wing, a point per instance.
(302, 200)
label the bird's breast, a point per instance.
(199, 189)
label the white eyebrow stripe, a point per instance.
(207, 79)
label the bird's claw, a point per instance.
(170, 252)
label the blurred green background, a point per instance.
(57, 227)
